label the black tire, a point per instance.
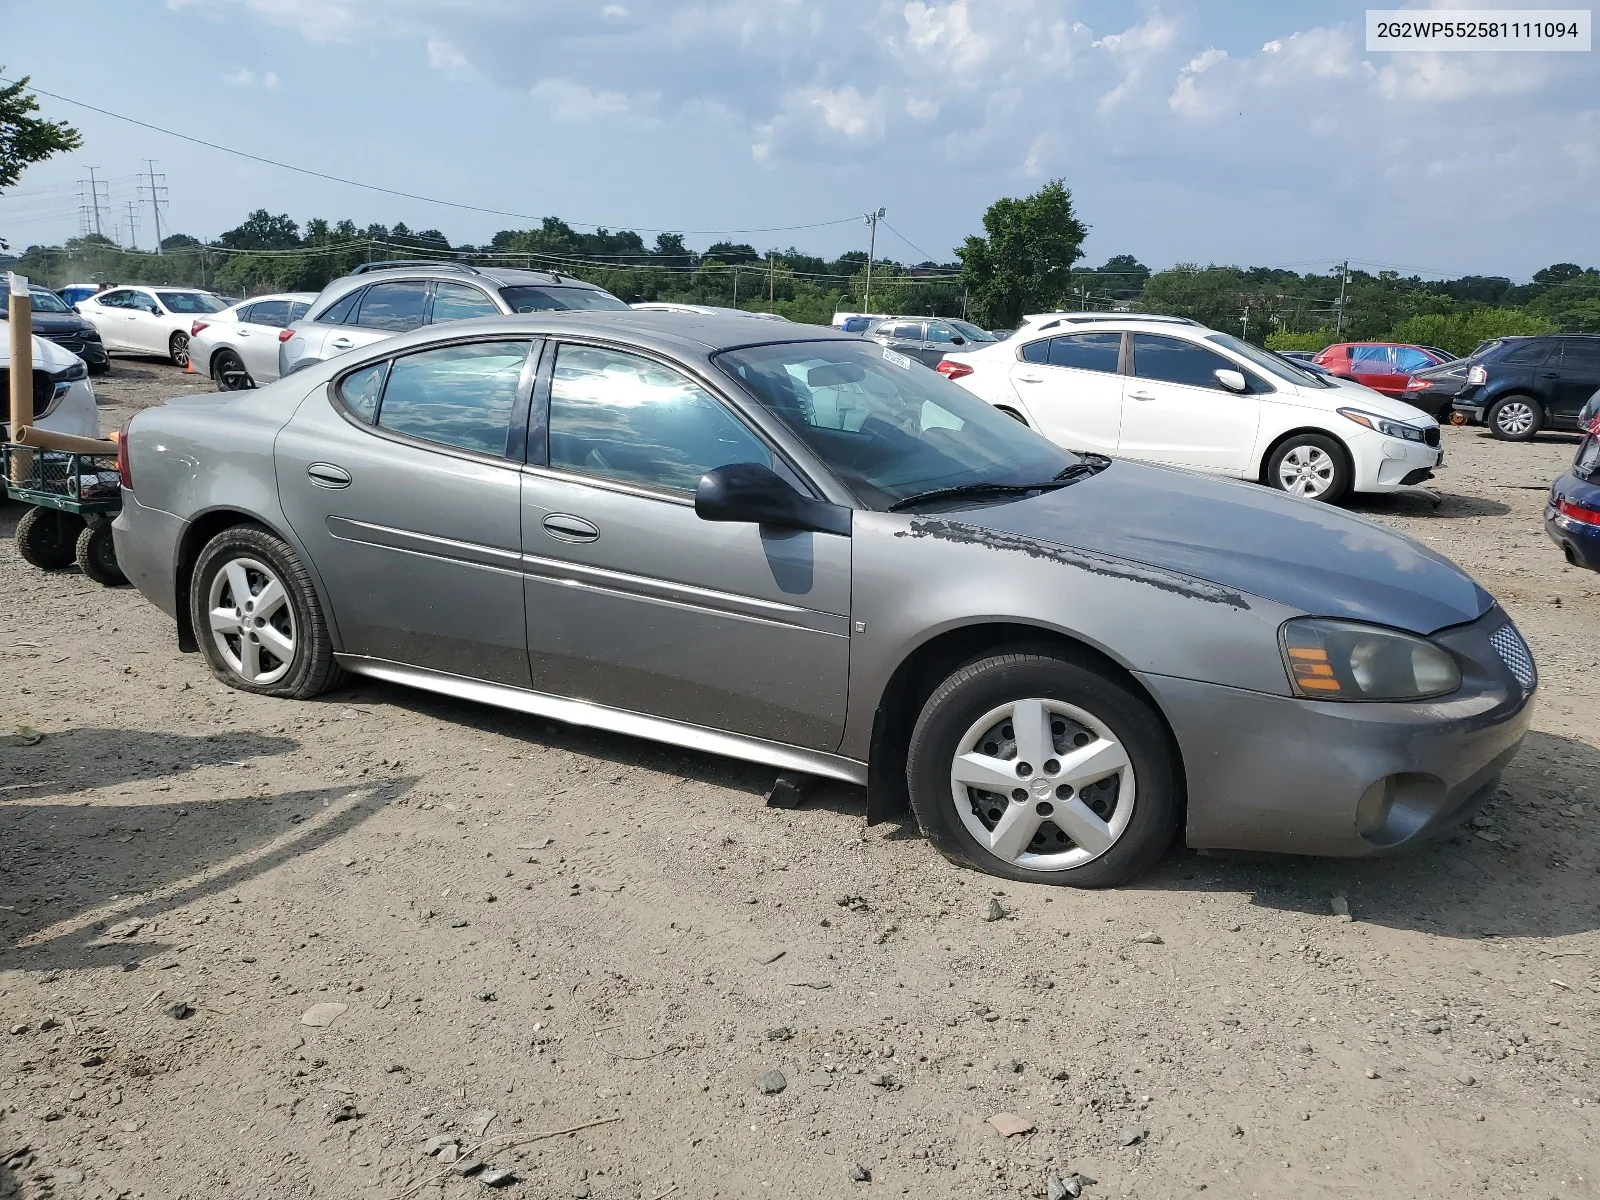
(311, 669)
(178, 349)
(1012, 413)
(230, 373)
(1310, 445)
(1514, 418)
(97, 556)
(1049, 674)
(48, 539)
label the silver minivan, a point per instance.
(378, 300)
(928, 339)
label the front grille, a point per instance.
(1431, 436)
(1513, 651)
(44, 389)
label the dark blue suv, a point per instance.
(1518, 386)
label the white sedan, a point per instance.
(238, 347)
(63, 399)
(1183, 395)
(149, 320)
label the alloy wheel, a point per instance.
(1514, 419)
(1042, 784)
(1306, 471)
(252, 622)
(180, 349)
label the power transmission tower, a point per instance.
(872, 219)
(158, 197)
(95, 187)
(133, 225)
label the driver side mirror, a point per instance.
(1234, 381)
(751, 493)
(958, 340)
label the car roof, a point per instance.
(692, 334)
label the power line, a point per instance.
(372, 187)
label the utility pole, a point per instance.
(736, 287)
(157, 198)
(1344, 278)
(133, 225)
(772, 276)
(872, 219)
(94, 200)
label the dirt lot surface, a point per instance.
(260, 948)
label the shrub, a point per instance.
(1318, 340)
(1461, 332)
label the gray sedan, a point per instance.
(803, 549)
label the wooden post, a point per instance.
(21, 320)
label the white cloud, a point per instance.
(946, 30)
(570, 101)
(848, 112)
(921, 110)
(243, 77)
(442, 56)
(614, 12)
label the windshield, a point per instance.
(1267, 361)
(971, 332)
(887, 426)
(547, 299)
(191, 302)
(42, 299)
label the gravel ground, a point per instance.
(263, 948)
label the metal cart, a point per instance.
(73, 499)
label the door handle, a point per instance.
(1030, 378)
(566, 528)
(341, 343)
(1549, 375)
(326, 475)
(242, 331)
(1140, 396)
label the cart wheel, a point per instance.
(45, 538)
(97, 556)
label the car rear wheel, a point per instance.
(1035, 767)
(48, 539)
(1310, 465)
(178, 349)
(228, 369)
(1515, 418)
(257, 618)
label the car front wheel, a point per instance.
(178, 349)
(1033, 766)
(1515, 418)
(1311, 465)
(257, 618)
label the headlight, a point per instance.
(1345, 660)
(78, 370)
(1383, 425)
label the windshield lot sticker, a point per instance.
(899, 360)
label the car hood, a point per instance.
(54, 324)
(46, 354)
(1347, 393)
(1243, 536)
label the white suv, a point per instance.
(1177, 393)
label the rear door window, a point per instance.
(1581, 359)
(907, 332)
(1529, 354)
(397, 307)
(298, 309)
(462, 396)
(268, 312)
(1087, 351)
(1409, 361)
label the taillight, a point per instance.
(1417, 385)
(1477, 375)
(1572, 512)
(285, 334)
(951, 369)
(124, 468)
(194, 330)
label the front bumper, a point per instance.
(147, 541)
(91, 350)
(1387, 463)
(1291, 776)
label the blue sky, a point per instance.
(1250, 132)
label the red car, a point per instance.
(1382, 366)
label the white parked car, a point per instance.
(238, 347)
(63, 400)
(149, 320)
(1172, 392)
